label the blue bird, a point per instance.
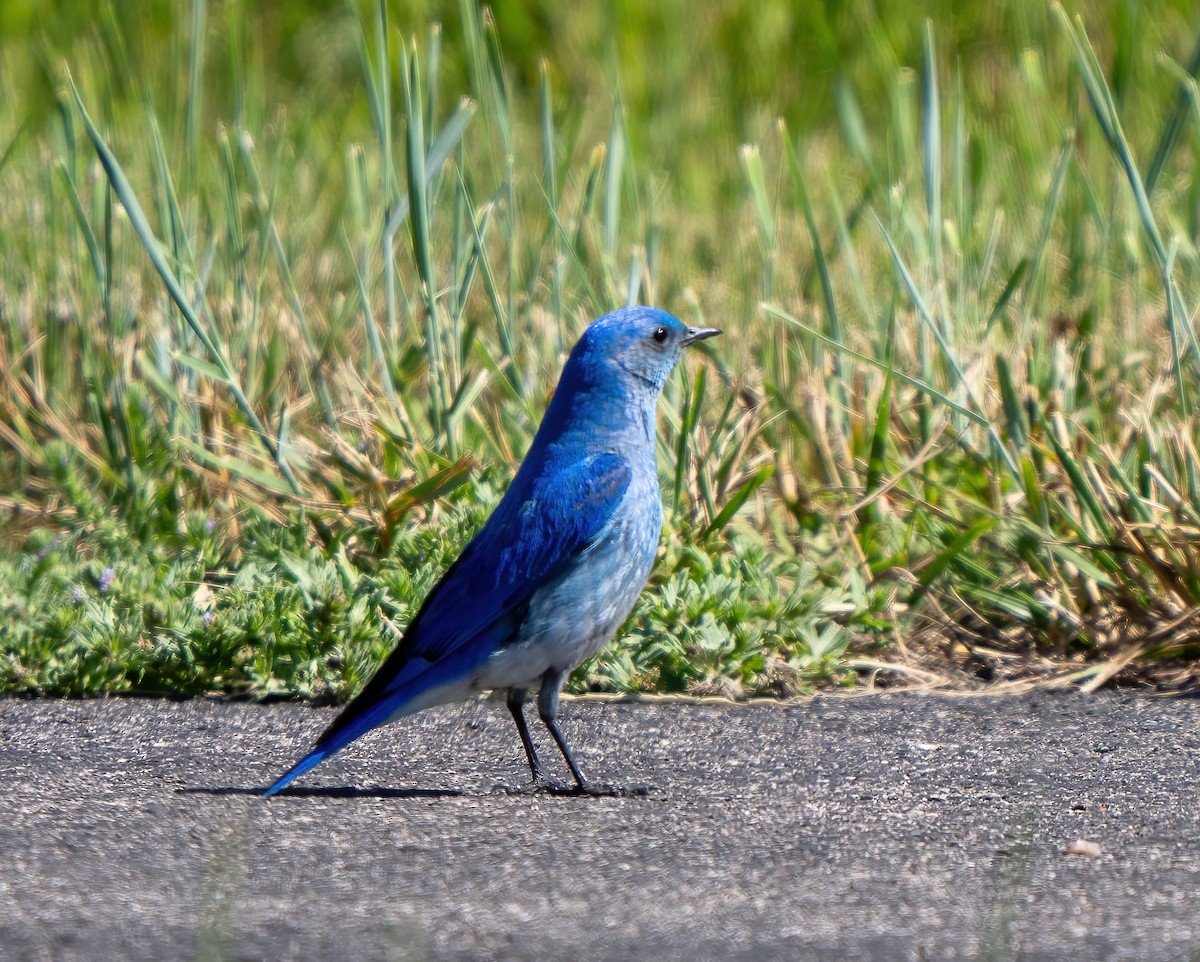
(558, 565)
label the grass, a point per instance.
(272, 349)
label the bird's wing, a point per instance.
(481, 599)
(523, 544)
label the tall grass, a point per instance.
(953, 421)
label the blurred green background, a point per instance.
(951, 434)
(695, 78)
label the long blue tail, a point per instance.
(417, 678)
(311, 760)
(371, 718)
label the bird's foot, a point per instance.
(599, 790)
(540, 786)
(543, 783)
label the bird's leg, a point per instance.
(548, 712)
(516, 703)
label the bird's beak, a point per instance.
(695, 334)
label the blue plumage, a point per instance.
(558, 565)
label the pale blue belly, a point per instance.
(574, 616)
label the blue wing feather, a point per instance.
(538, 527)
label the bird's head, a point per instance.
(642, 342)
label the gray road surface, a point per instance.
(887, 827)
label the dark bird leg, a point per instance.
(548, 712)
(516, 703)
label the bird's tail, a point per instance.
(416, 688)
(311, 760)
(329, 743)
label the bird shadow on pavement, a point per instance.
(332, 791)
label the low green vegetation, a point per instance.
(269, 614)
(283, 296)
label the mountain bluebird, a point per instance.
(557, 567)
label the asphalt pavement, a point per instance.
(878, 827)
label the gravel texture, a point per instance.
(876, 827)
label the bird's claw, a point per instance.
(598, 790)
(540, 786)
(551, 786)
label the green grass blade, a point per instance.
(1049, 215)
(928, 390)
(614, 180)
(751, 159)
(151, 245)
(443, 146)
(1106, 114)
(736, 500)
(822, 264)
(1171, 129)
(374, 339)
(422, 242)
(932, 140)
(1013, 417)
(947, 354)
(956, 550)
(85, 228)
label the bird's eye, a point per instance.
(660, 334)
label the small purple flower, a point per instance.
(106, 579)
(209, 525)
(208, 617)
(76, 594)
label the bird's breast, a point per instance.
(573, 616)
